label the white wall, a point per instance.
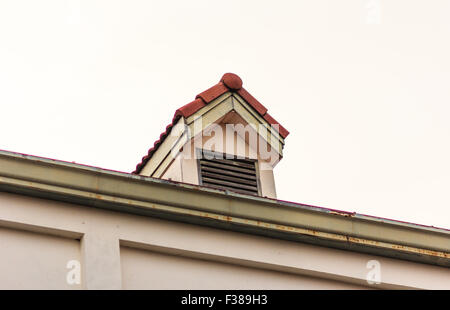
(35, 261)
(143, 269)
(119, 250)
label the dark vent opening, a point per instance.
(221, 171)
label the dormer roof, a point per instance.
(229, 82)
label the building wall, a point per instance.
(143, 269)
(31, 260)
(117, 250)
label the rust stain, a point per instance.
(207, 215)
(316, 233)
(363, 241)
(399, 247)
(346, 214)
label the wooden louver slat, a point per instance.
(228, 178)
(213, 164)
(233, 174)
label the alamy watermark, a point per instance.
(227, 141)
(374, 274)
(73, 276)
(372, 12)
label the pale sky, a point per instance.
(362, 85)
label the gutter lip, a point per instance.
(226, 193)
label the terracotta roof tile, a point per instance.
(190, 108)
(212, 93)
(283, 132)
(228, 82)
(232, 81)
(252, 101)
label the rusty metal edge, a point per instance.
(192, 215)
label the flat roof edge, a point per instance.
(124, 192)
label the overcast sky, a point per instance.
(362, 85)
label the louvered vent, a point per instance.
(233, 174)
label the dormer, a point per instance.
(223, 139)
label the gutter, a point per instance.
(129, 193)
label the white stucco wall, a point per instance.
(143, 269)
(31, 260)
(119, 250)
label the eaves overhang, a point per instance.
(222, 209)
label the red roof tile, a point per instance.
(228, 82)
(252, 101)
(190, 108)
(212, 93)
(232, 81)
(283, 132)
